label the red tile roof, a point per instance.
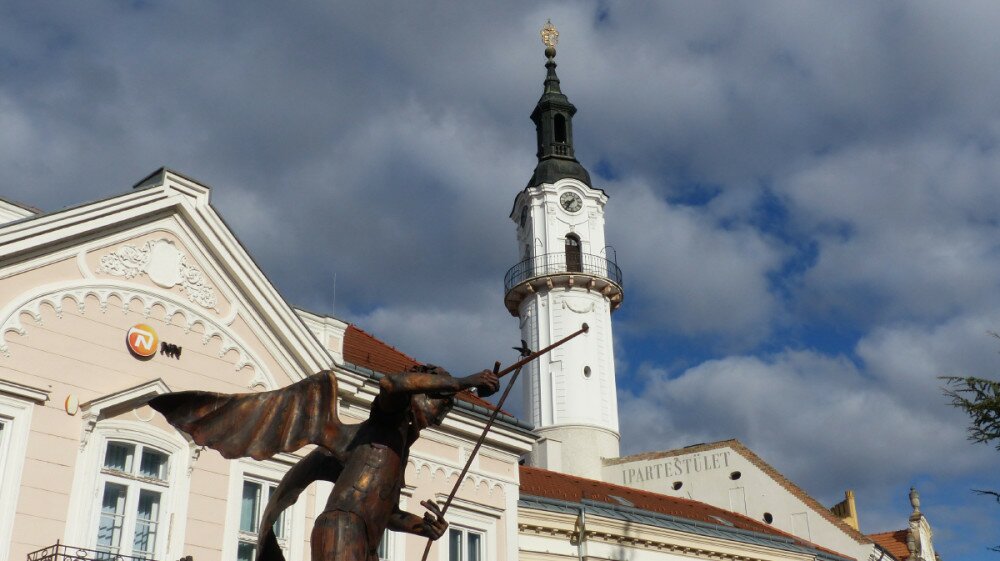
(363, 349)
(893, 542)
(553, 485)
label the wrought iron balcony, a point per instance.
(63, 552)
(584, 270)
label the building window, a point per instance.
(383, 547)
(574, 258)
(464, 545)
(15, 420)
(252, 503)
(251, 486)
(133, 483)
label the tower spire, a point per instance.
(553, 118)
(565, 277)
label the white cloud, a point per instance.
(907, 231)
(688, 273)
(824, 421)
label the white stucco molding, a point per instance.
(54, 294)
(329, 330)
(27, 392)
(98, 409)
(478, 508)
(129, 398)
(443, 470)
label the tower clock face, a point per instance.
(571, 202)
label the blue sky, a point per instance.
(803, 196)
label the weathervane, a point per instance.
(550, 35)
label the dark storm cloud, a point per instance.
(773, 167)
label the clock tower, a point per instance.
(567, 276)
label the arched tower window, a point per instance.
(574, 258)
(560, 127)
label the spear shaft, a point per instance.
(583, 329)
(516, 369)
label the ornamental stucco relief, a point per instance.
(55, 295)
(445, 471)
(164, 264)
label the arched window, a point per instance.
(560, 127)
(131, 480)
(574, 258)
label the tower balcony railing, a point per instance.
(562, 263)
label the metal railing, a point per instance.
(63, 552)
(557, 263)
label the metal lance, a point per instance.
(516, 369)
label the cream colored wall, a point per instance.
(81, 354)
(705, 476)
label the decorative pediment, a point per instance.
(164, 264)
(114, 403)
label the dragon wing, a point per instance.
(260, 425)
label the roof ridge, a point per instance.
(799, 493)
(672, 452)
(380, 341)
(887, 532)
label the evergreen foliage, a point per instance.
(980, 398)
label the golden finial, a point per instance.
(550, 35)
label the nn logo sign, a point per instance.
(143, 342)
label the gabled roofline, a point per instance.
(757, 461)
(157, 178)
(167, 193)
(21, 206)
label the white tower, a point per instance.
(565, 278)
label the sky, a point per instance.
(804, 196)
